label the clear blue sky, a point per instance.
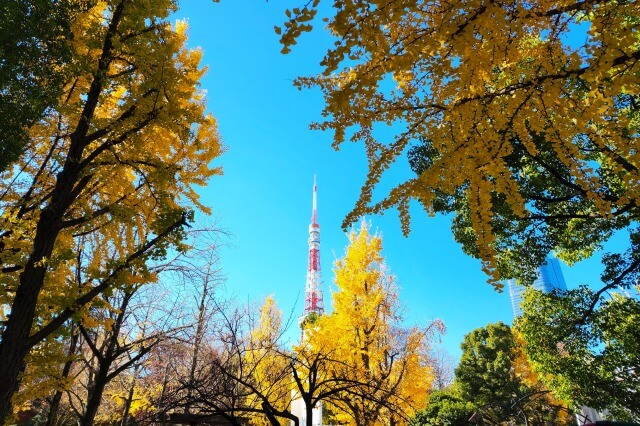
(264, 197)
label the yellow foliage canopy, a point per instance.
(268, 367)
(386, 362)
(472, 77)
(108, 178)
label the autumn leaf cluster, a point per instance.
(106, 183)
(388, 363)
(484, 82)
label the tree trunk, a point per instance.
(163, 389)
(309, 412)
(105, 360)
(57, 396)
(202, 310)
(269, 413)
(16, 337)
(95, 396)
(129, 400)
(12, 361)
(16, 344)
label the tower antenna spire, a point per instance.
(314, 212)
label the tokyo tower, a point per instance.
(312, 294)
(313, 305)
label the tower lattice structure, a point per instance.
(313, 302)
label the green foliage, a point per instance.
(532, 139)
(586, 347)
(309, 321)
(35, 47)
(446, 408)
(561, 218)
(484, 374)
(495, 380)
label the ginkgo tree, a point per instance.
(360, 362)
(243, 375)
(527, 113)
(108, 174)
(383, 366)
(269, 369)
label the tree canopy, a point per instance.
(107, 179)
(445, 407)
(35, 47)
(485, 374)
(588, 355)
(528, 114)
(494, 380)
(387, 364)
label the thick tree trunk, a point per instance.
(12, 365)
(15, 344)
(16, 337)
(309, 413)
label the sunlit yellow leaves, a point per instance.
(113, 168)
(181, 27)
(364, 335)
(109, 106)
(265, 363)
(42, 374)
(268, 329)
(297, 24)
(119, 393)
(473, 77)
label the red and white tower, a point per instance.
(313, 302)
